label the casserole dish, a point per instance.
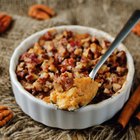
(87, 116)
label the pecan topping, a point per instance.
(5, 115)
(5, 21)
(41, 12)
(59, 57)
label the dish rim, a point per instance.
(69, 27)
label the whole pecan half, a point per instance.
(5, 21)
(5, 115)
(41, 12)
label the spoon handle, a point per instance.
(120, 37)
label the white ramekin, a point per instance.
(85, 117)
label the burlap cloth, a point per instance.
(107, 15)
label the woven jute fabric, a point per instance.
(107, 15)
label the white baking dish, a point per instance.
(85, 117)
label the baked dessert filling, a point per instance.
(80, 94)
(56, 69)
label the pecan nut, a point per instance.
(5, 115)
(41, 12)
(136, 29)
(5, 21)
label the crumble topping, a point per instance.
(59, 58)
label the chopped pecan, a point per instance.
(78, 51)
(26, 85)
(121, 70)
(67, 34)
(66, 80)
(105, 44)
(49, 46)
(31, 77)
(62, 51)
(52, 68)
(106, 91)
(103, 69)
(81, 36)
(93, 47)
(116, 87)
(121, 58)
(37, 85)
(49, 35)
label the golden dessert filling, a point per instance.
(80, 94)
(56, 69)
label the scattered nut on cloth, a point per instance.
(5, 21)
(136, 29)
(5, 115)
(41, 12)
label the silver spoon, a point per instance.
(120, 37)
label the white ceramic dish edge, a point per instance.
(82, 118)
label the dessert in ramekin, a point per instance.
(46, 65)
